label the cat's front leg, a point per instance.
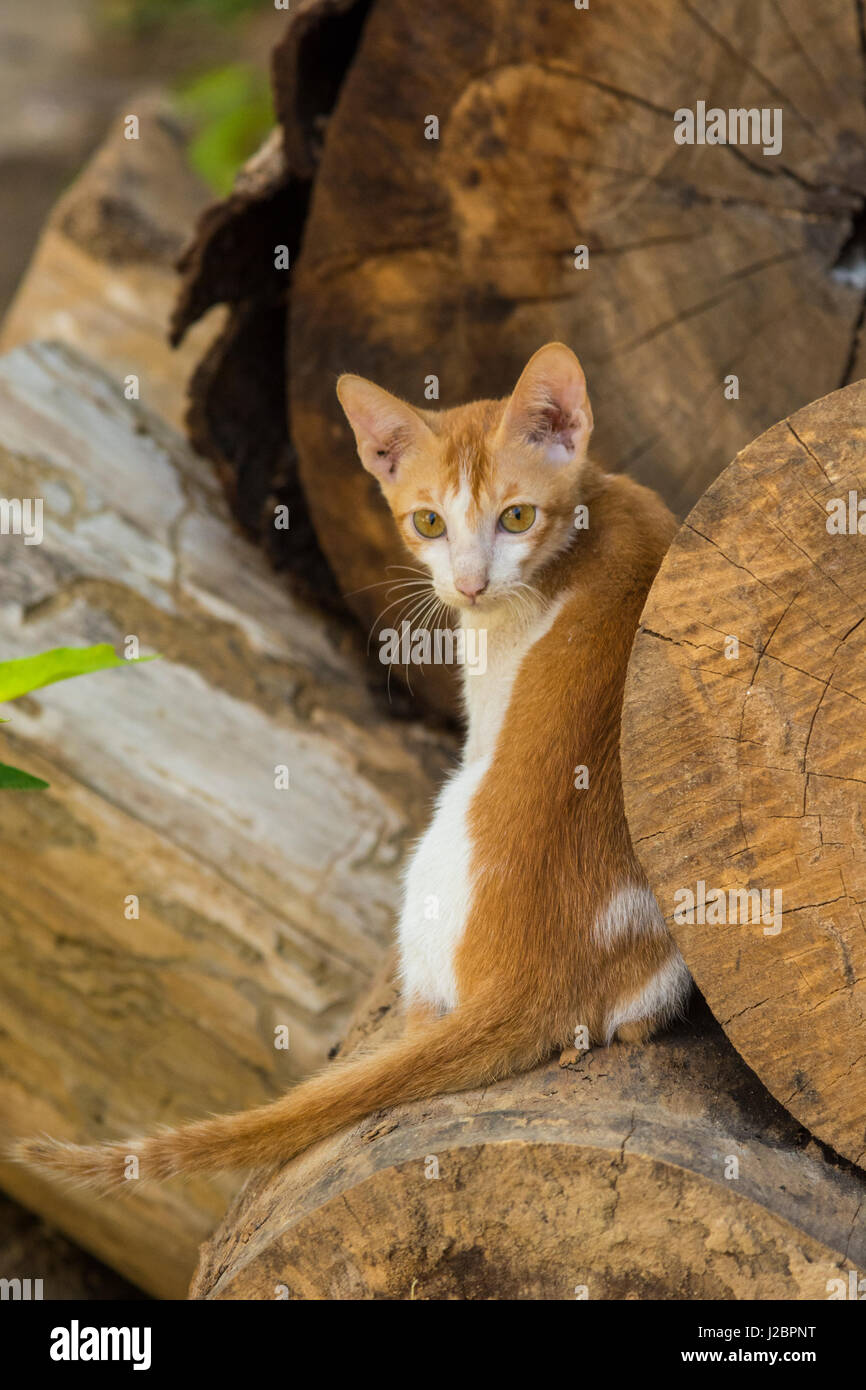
(437, 896)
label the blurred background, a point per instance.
(66, 66)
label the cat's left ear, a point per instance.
(549, 405)
(385, 427)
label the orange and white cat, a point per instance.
(543, 923)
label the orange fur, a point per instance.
(546, 857)
(538, 892)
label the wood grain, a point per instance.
(259, 908)
(454, 256)
(602, 1180)
(744, 768)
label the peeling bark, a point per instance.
(454, 257)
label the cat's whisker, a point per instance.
(424, 616)
(424, 599)
(402, 599)
(409, 617)
(517, 601)
(380, 584)
(530, 588)
(523, 594)
(440, 611)
(514, 603)
(424, 612)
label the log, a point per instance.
(238, 410)
(454, 256)
(258, 909)
(744, 758)
(102, 278)
(610, 1178)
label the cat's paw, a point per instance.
(639, 1032)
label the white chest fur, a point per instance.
(439, 878)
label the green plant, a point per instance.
(28, 673)
(231, 112)
(141, 13)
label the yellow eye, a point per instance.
(517, 518)
(428, 524)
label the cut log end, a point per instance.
(744, 758)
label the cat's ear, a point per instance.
(549, 405)
(385, 427)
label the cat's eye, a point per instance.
(517, 518)
(428, 524)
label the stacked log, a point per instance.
(190, 911)
(744, 758)
(523, 183)
(666, 1171)
(660, 1172)
(102, 278)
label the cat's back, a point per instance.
(599, 589)
(622, 537)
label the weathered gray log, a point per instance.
(259, 909)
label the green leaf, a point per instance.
(232, 112)
(13, 779)
(32, 672)
(137, 14)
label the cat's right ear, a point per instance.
(385, 427)
(549, 406)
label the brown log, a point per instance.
(239, 411)
(454, 256)
(605, 1179)
(258, 909)
(744, 757)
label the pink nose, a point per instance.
(471, 588)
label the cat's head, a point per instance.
(483, 494)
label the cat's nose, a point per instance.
(471, 588)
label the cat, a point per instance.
(544, 929)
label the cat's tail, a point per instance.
(477, 1043)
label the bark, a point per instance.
(258, 909)
(454, 257)
(611, 1178)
